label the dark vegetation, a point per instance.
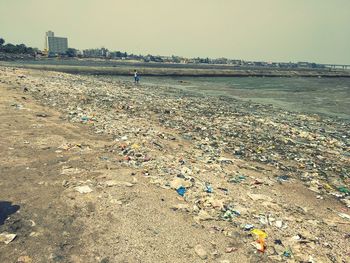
(16, 49)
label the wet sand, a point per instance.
(132, 146)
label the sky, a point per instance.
(256, 30)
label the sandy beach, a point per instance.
(108, 171)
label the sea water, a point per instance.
(329, 96)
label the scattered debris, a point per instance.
(111, 183)
(231, 249)
(344, 216)
(24, 259)
(181, 190)
(200, 251)
(266, 146)
(42, 115)
(7, 238)
(83, 189)
(260, 243)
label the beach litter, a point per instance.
(260, 243)
(7, 238)
(24, 259)
(248, 227)
(83, 189)
(200, 251)
(240, 147)
(208, 188)
(344, 216)
(181, 190)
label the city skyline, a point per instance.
(315, 31)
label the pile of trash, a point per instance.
(224, 158)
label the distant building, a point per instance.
(50, 34)
(55, 45)
(96, 53)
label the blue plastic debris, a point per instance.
(287, 254)
(236, 212)
(283, 178)
(237, 179)
(181, 190)
(208, 188)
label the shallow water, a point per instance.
(330, 96)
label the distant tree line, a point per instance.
(15, 49)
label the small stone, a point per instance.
(83, 189)
(279, 223)
(275, 258)
(184, 207)
(219, 204)
(279, 249)
(200, 252)
(34, 234)
(117, 202)
(230, 249)
(258, 197)
(346, 202)
(24, 259)
(344, 216)
(204, 216)
(178, 182)
(42, 115)
(111, 183)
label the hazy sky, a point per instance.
(269, 30)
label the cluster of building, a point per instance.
(58, 46)
(96, 53)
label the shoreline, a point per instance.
(127, 70)
(244, 165)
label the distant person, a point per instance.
(136, 77)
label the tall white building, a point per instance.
(55, 45)
(50, 34)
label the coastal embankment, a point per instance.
(100, 170)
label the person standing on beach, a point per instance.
(136, 77)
